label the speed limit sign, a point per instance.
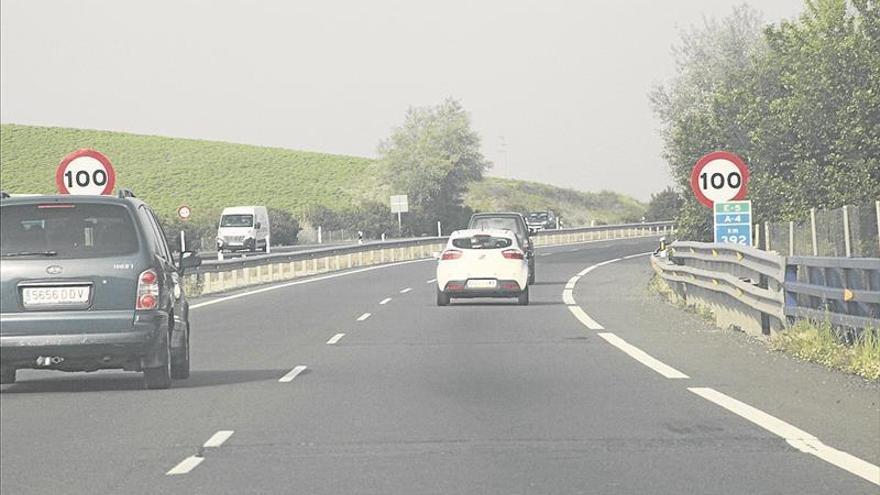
(184, 212)
(85, 172)
(718, 177)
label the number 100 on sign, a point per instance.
(733, 222)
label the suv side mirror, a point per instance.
(533, 231)
(188, 259)
(258, 226)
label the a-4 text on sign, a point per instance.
(719, 176)
(85, 172)
(733, 222)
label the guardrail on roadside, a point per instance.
(219, 276)
(762, 292)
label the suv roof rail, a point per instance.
(4, 195)
(125, 193)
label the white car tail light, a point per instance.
(148, 290)
(512, 254)
(450, 254)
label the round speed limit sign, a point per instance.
(718, 177)
(85, 172)
(184, 212)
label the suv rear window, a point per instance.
(73, 230)
(482, 242)
(501, 223)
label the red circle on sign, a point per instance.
(719, 155)
(97, 155)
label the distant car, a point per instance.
(514, 222)
(244, 228)
(88, 283)
(482, 263)
(541, 220)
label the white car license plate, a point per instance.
(482, 284)
(36, 297)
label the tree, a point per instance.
(798, 101)
(432, 157)
(664, 205)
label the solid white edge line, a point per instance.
(298, 282)
(567, 298)
(336, 338)
(431, 281)
(364, 316)
(642, 356)
(185, 465)
(218, 438)
(584, 318)
(404, 291)
(292, 374)
(794, 436)
(385, 301)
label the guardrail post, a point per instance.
(846, 240)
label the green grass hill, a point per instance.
(207, 175)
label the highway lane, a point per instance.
(473, 398)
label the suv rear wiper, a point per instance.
(31, 253)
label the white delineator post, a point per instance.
(439, 230)
(791, 238)
(877, 212)
(846, 243)
(182, 241)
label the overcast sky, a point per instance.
(557, 89)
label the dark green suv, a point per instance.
(88, 283)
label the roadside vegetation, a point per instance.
(299, 187)
(817, 342)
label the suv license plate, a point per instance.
(39, 297)
(482, 284)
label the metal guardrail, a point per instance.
(762, 291)
(218, 276)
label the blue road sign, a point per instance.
(733, 222)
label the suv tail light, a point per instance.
(512, 254)
(147, 290)
(451, 254)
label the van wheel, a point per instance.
(7, 376)
(180, 362)
(160, 376)
(442, 298)
(523, 298)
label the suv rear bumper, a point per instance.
(130, 347)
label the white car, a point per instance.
(482, 263)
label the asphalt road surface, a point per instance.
(481, 397)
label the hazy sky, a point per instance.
(563, 83)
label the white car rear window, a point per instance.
(482, 242)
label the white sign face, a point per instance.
(85, 172)
(399, 203)
(720, 180)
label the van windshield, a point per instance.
(237, 221)
(66, 231)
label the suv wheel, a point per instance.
(160, 376)
(442, 298)
(523, 298)
(7, 376)
(180, 359)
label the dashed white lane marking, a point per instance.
(218, 438)
(642, 356)
(404, 291)
(292, 374)
(298, 282)
(431, 281)
(364, 316)
(385, 301)
(336, 338)
(795, 437)
(186, 465)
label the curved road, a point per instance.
(596, 387)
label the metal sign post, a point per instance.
(399, 205)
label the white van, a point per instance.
(244, 228)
